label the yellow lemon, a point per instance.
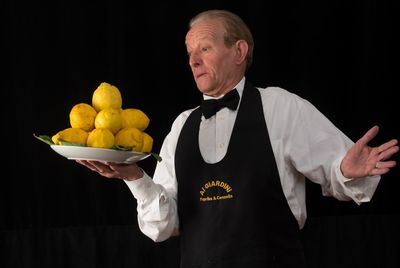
(73, 135)
(106, 96)
(130, 137)
(132, 117)
(147, 143)
(82, 116)
(101, 138)
(109, 118)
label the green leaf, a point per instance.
(157, 157)
(44, 138)
(122, 148)
(64, 142)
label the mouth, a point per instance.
(197, 76)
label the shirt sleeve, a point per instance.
(157, 196)
(359, 190)
(155, 207)
(316, 148)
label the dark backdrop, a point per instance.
(341, 55)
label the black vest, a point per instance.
(234, 213)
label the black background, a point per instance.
(340, 55)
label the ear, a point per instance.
(241, 51)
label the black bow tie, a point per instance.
(211, 106)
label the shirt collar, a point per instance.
(239, 87)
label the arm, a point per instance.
(157, 197)
(323, 154)
(156, 206)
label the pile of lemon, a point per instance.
(105, 124)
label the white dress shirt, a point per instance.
(305, 145)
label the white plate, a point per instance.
(98, 154)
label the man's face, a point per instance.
(212, 63)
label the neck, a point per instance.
(217, 92)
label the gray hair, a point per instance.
(235, 29)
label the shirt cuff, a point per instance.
(143, 188)
(360, 190)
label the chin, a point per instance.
(201, 87)
(204, 87)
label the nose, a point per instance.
(194, 60)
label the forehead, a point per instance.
(211, 30)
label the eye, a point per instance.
(205, 49)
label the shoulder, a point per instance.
(281, 97)
(171, 139)
(181, 118)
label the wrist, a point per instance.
(137, 174)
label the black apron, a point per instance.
(234, 213)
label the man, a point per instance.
(232, 184)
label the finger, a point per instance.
(371, 133)
(87, 164)
(380, 171)
(386, 164)
(100, 166)
(114, 166)
(387, 145)
(118, 166)
(388, 152)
